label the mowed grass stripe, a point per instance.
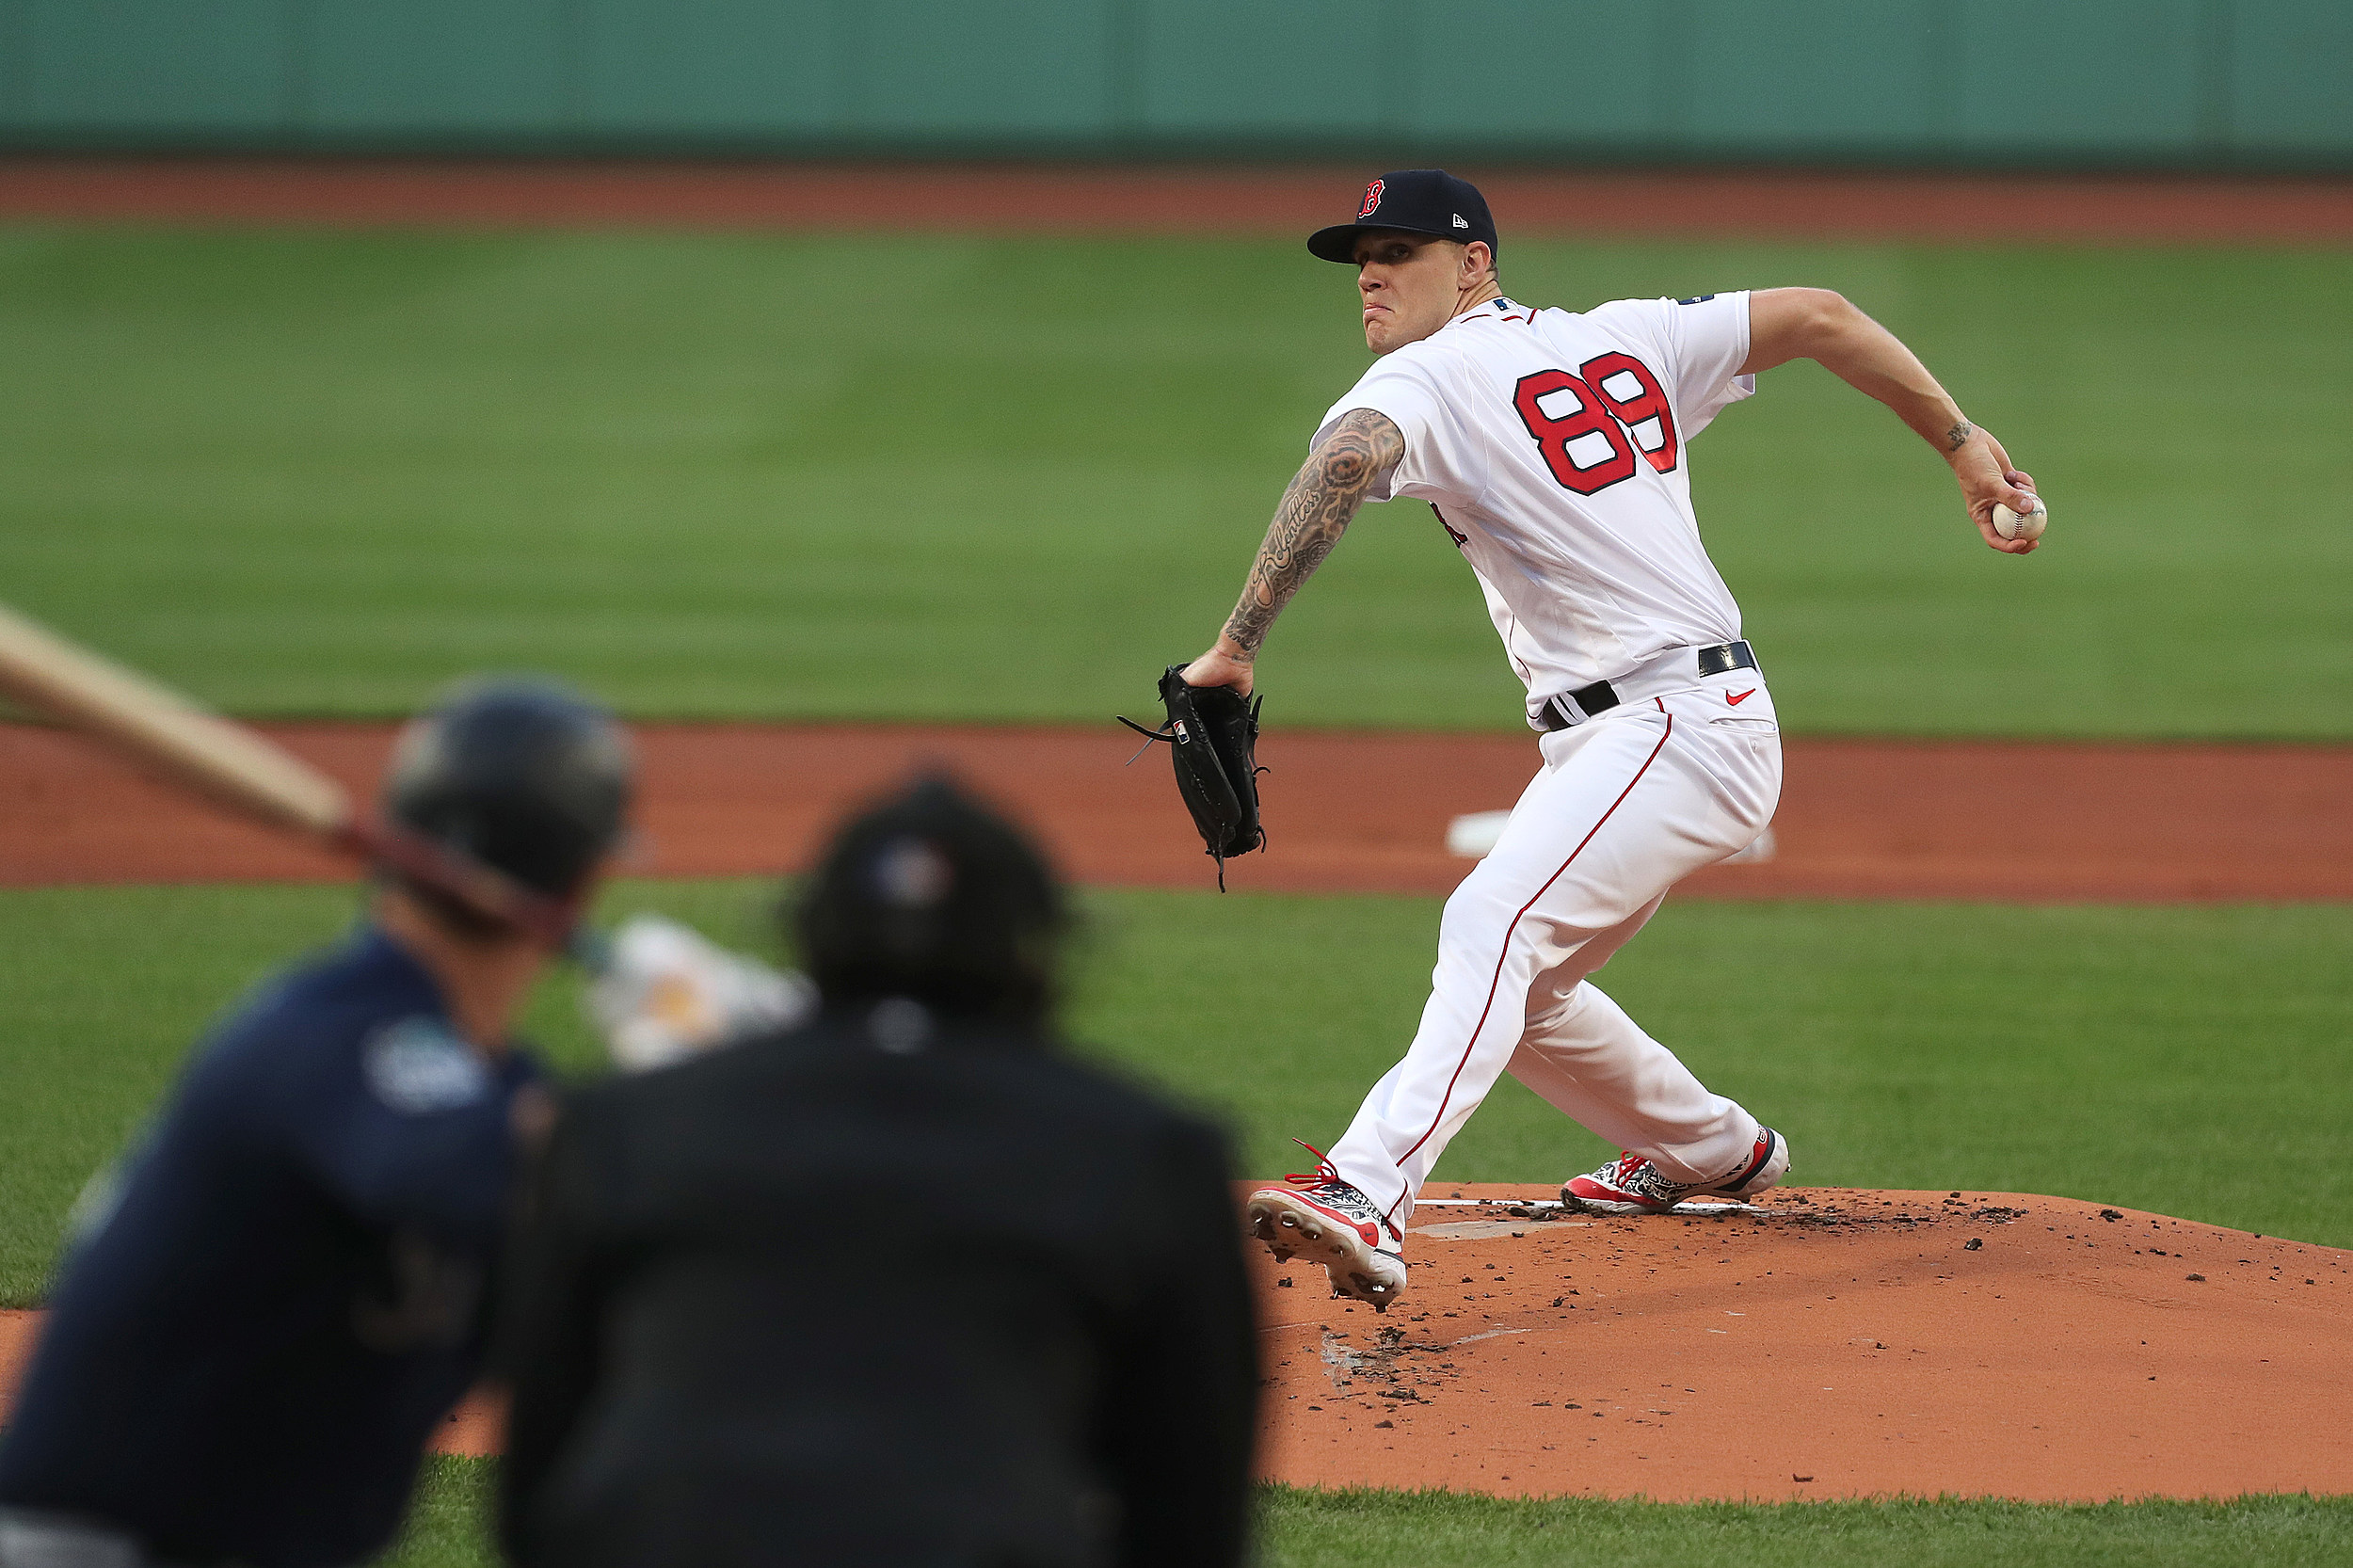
(1003, 478)
(1376, 1529)
(2180, 1060)
(1303, 1528)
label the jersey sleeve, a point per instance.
(412, 1129)
(1702, 343)
(1442, 463)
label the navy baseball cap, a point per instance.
(1414, 201)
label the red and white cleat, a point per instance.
(1632, 1185)
(1327, 1221)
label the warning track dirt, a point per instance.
(1806, 205)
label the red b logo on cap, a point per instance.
(1372, 198)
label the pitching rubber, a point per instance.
(1292, 1227)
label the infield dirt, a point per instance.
(1829, 1344)
(2023, 822)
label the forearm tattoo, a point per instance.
(1957, 437)
(1316, 509)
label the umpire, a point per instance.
(905, 1286)
(256, 1333)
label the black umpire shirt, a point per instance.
(883, 1289)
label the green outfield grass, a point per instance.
(1301, 1528)
(1304, 1529)
(2183, 1060)
(1000, 478)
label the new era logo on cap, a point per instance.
(1461, 222)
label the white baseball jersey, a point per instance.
(1552, 445)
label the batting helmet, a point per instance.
(932, 896)
(523, 775)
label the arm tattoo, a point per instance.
(1318, 506)
(1957, 437)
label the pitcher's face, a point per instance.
(1412, 285)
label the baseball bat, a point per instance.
(240, 769)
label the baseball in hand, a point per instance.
(2017, 525)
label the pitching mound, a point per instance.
(1829, 1343)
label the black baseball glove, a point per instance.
(1212, 735)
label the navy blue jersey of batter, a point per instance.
(246, 1353)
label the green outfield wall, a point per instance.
(2131, 83)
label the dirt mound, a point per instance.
(1346, 812)
(1827, 1344)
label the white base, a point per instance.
(1474, 833)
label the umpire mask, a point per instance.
(932, 896)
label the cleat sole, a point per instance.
(1286, 1233)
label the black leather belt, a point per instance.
(1574, 708)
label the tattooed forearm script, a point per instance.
(1957, 437)
(1316, 509)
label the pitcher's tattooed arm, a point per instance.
(1957, 437)
(1317, 507)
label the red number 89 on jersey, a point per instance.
(1610, 412)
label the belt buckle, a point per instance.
(1723, 658)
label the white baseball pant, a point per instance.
(1627, 804)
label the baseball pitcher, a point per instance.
(1554, 447)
